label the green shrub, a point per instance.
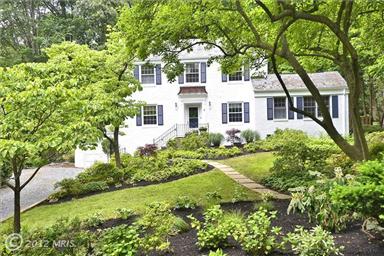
(257, 236)
(239, 194)
(94, 220)
(187, 154)
(218, 252)
(64, 229)
(376, 150)
(68, 187)
(253, 147)
(265, 202)
(317, 202)
(185, 202)
(94, 186)
(194, 141)
(120, 241)
(213, 232)
(364, 194)
(159, 169)
(101, 172)
(373, 128)
(316, 242)
(213, 197)
(281, 137)
(158, 224)
(250, 136)
(215, 139)
(296, 156)
(124, 213)
(180, 225)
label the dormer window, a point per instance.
(147, 74)
(237, 76)
(192, 72)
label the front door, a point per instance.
(193, 117)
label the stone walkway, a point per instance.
(246, 182)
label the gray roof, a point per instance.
(323, 80)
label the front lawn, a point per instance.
(195, 187)
(255, 166)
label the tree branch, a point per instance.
(247, 20)
(9, 185)
(31, 177)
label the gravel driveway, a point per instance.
(41, 186)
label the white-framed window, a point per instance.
(279, 108)
(150, 115)
(235, 112)
(192, 72)
(147, 74)
(237, 76)
(310, 105)
(326, 101)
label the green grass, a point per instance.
(255, 166)
(195, 186)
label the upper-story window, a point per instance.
(235, 112)
(279, 108)
(147, 74)
(149, 115)
(192, 72)
(237, 76)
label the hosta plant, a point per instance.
(316, 242)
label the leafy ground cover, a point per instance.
(254, 166)
(235, 229)
(136, 171)
(195, 187)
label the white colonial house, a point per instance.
(205, 97)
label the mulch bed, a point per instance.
(125, 186)
(355, 242)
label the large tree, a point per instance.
(110, 101)
(297, 33)
(28, 26)
(40, 118)
(47, 109)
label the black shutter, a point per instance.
(246, 73)
(158, 74)
(138, 119)
(136, 72)
(246, 112)
(269, 108)
(203, 72)
(299, 105)
(160, 116)
(335, 106)
(224, 117)
(291, 114)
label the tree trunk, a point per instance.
(16, 213)
(116, 147)
(355, 152)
